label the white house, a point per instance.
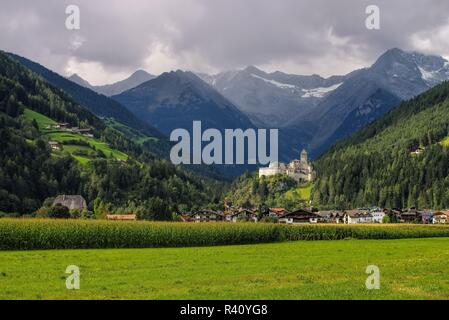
(358, 216)
(441, 217)
(377, 215)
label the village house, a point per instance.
(410, 216)
(62, 126)
(332, 216)
(358, 216)
(71, 201)
(78, 130)
(441, 217)
(202, 216)
(276, 212)
(54, 145)
(300, 170)
(300, 216)
(242, 215)
(377, 214)
(394, 214)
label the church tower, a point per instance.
(303, 156)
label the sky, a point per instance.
(117, 37)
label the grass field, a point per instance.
(41, 120)
(409, 269)
(300, 193)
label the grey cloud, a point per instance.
(218, 34)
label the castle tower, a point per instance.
(303, 157)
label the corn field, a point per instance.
(33, 234)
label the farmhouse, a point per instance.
(62, 126)
(332, 216)
(243, 214)
(411, 215)
(300, 216)
(276, 212)
(377, 214)
(441, 217)
(71, 202)
(358, 216)
(394, 214)
(202, 216)
(54, 145)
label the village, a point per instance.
(312, 216)
(280, 215)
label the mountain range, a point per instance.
(137, 78)
(270, 99)
(311, 112)
(176, 99)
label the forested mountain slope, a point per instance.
(400, 160)
(31, 172)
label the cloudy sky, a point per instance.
(296, 36)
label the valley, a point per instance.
(137, 121)
(224, 160)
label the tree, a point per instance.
(59, 212)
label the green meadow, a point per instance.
(82, 153)
(301, 193)
(409, 269)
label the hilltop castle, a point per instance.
(300, 170)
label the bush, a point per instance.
(59, 212)
(9, 215)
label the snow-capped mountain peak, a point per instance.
(275, 83)
(320, 92)
(270, 99)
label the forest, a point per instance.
(398, 161)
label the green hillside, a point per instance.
(400, 160)
(277, 191)
(81, 147)
(31, 173)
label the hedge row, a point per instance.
(29, 234)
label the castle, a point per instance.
(300, 170)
